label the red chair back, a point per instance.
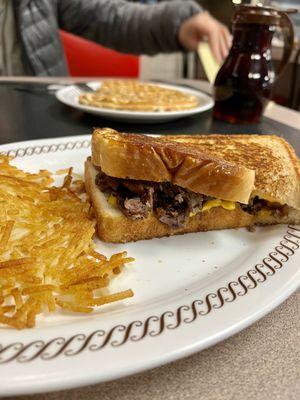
(86, 58)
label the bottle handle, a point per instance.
(287, 29)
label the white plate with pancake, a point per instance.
(70, 96)
(191, 292)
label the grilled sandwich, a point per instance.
(143, 187)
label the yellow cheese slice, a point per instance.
(112, 200)
(228, 205)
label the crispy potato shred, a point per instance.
(48, 258)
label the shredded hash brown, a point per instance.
(47, 255)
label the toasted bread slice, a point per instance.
(113, 226)
(141, 157)
(277, 168)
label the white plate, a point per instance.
(69, 96)
(191, 292)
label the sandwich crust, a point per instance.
(140, 157)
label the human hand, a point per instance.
(204, 26)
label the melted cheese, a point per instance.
(112, 200)
(228, 205)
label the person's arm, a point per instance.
(127, 27)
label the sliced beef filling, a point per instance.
(170, 204)
(133, 205)
(256, 204)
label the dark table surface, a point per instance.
(27, 112)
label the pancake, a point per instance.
(132, 95)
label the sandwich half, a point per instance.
(143, 187)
